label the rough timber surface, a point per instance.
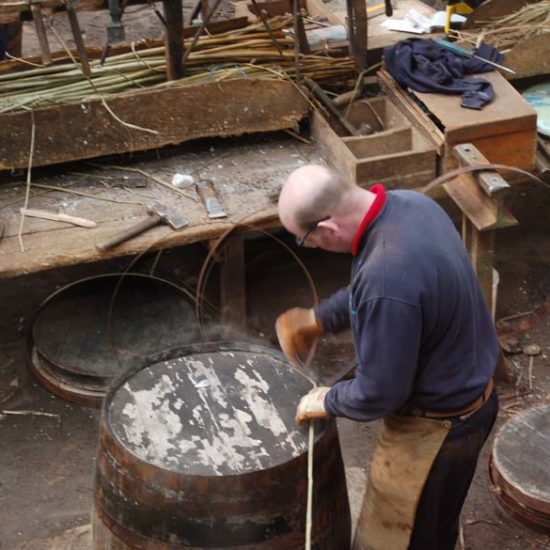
(378, 37)
(176, 112)
(247, 175)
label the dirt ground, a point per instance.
(47, 462)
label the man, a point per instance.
(425, 344)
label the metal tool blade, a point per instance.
(207, 193)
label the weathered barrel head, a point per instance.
(519, 467)
(211, 413)
(148, 314)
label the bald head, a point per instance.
(311, 193)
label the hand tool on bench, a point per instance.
(77, 35)
(158, 213)
(465, 52)
(54, 216)
(207, 193)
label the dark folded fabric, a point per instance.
(425, 66)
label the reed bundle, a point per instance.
(247, 52)
(505, 32)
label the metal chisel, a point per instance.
(207, 193)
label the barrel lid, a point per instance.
(521, 454)
(212, 412)
(71, 329)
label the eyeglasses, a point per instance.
(301, 240)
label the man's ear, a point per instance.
(329, 224)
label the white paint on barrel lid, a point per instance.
(152, 426)
(264, 411)
(232, 417)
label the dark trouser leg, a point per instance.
(437, 516)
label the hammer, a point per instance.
(158, 213)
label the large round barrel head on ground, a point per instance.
(199, 449)
(520, 467)
(78, 328)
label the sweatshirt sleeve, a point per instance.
(334, 311)
(387, 340)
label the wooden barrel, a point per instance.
(520, 467)
(199, 449)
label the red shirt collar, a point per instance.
(370, 216)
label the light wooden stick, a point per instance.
(44, 214)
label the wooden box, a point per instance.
(395, 154)
(504, 130)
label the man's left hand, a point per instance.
(312, 406)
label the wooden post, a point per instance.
(233, 286)
(360, 14)
(41, 34)
(173, 14)
(357, 32)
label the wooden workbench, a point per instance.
(247, 179)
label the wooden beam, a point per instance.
(41, 35)
(215, 109)
(173, 14)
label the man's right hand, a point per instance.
(297, 330)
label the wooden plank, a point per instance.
(391, 167)
(70, 246)
(378, 36)
(334, 150)
(530, 57)
(381, 143)
(508, 112)
(178, 113)
(416, 116)
(482, 211)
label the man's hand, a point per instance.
(297, 330)
(312, 405)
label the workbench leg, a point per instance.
(481, 247)
(173, 14)
(482, 254)
(233, 286)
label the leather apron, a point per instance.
(406, 449)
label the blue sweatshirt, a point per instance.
(421, 328)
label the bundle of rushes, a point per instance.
(505, 32)
(244, 53)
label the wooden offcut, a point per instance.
(176, 113)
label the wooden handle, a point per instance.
(44, 214)
(151, 221)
